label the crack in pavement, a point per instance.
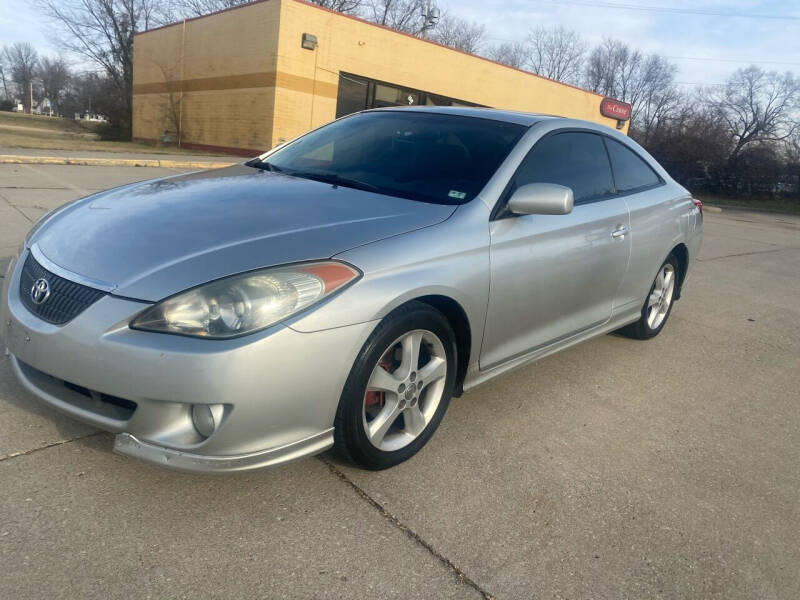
(458, 572)
(47, 446)
(26, 187)
(749, 253)
(57, 180)
(460, 575)
(16, 208)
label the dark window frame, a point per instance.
(500, 210)
(422, 94)
(636, 190)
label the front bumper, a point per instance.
(125, 443)
(280, 388)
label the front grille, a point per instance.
(67, 299)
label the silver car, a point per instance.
(337, 291)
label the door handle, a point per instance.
(620, 232)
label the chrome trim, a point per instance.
(74, 277)
(125, 443)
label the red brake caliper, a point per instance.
(373, 399)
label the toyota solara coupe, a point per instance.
(336, 291)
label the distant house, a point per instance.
(94, 117)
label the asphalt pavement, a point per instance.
(616, 469)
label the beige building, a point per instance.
(244, 79)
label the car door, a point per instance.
(553, 276)
(655, 215)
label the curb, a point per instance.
(111, 162)
(713, 209)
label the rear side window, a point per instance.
(631, 172)
(574, 159)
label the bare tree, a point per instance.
(458, 33)
(89, 92)
(403, 15)
(610, 69)
(342, 6)
(22, 61)
(3, 80)
(55, 77)
(513, 54)
(102, 32)
(556, 53)
(756, 106)
(655, 94)
(172, 99)
(176, 10)
(647, 82)
(180, 9)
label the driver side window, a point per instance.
(573, 159)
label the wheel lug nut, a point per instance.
(402, 404)
(402, 388)
(413, 376)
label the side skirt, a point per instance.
(476, 377)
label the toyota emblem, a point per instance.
(40, 291)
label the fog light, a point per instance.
(206, 418)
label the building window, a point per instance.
(352, 95)
(358, 93)
(389, 95)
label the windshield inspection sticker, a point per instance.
(457, 194)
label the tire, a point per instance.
(391, 403)
(657, 306)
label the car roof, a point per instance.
(509, 116)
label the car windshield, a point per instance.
(443, 159)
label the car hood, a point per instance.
(156, 238)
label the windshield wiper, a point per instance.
(335, 179)
(263, 165)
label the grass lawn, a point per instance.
(54, 133)
(767, 204)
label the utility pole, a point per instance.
(30, 98)
(430, 16)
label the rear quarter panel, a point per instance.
(661, 219)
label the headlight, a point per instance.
(247, 302)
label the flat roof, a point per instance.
(496, 114)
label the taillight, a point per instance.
(699, 205)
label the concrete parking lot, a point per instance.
(617, 469)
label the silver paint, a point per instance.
(528, 285)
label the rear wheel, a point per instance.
(658, 305)
(398, 389)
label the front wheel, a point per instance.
(398, 389)
(658, 305)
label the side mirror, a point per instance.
(541, 199)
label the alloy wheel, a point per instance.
(661, 297)
(404, 390)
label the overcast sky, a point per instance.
(673, 34)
